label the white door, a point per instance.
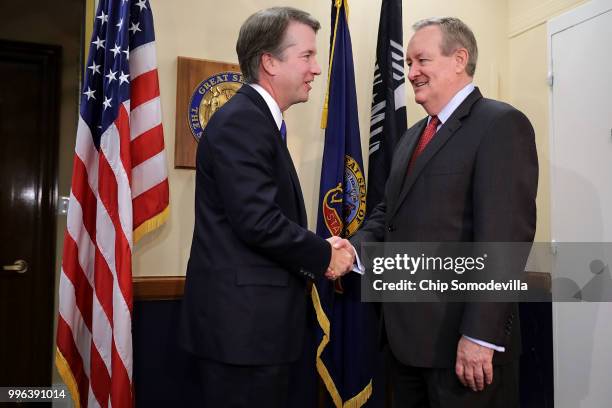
(580, 45)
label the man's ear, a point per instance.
(461, 59)
(269, 64)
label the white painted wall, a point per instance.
(581, 196)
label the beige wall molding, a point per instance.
(524, 17)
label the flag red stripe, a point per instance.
(121, 395)
(100, 377)
(82, 192)
(123, 127)
(66, 346)
(123, 260)
(123, 251)
(123, 257)
(103, 281)
(74, 272)
(107, 190)
(144, 88)
(147, 145)
(150, 203)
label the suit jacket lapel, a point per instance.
(399, 169)
(448, 129)
(285, 155)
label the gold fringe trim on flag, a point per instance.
(151, 224)
(358, 400)
(338, 4)
(66, 373)
(346, 9)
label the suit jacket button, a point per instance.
(391, 228)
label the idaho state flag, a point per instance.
(344, 347)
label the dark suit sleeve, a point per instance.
(504, 191)
(373, 230)
(244, 157)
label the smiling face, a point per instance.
(291, 74)
(435, 77)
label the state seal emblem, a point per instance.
(344, 207)
(209, 96)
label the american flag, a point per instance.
(119, 192)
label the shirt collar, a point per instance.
(454, 103)
(272, 105)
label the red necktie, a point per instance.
(428, 134)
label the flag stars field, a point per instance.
(89, 93)
(98, 43)
(116, 50)
(135, 27)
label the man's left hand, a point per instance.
(474, 365)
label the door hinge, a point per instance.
(550, 79)
(62, 205)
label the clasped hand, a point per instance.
(342, 258)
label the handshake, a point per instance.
(342, 258)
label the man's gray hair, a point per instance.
(264, 32)
(455, 34)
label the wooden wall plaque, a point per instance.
(202, 87)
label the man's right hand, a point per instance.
(342, 258)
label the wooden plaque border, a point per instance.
(189, 73)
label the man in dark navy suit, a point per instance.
(467, 172)
(252, 255)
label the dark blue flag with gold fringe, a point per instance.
(345, 341)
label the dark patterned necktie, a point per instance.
(283, 131)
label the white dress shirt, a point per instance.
(272, 105)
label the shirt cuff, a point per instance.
(485, 344)
(358, 266)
